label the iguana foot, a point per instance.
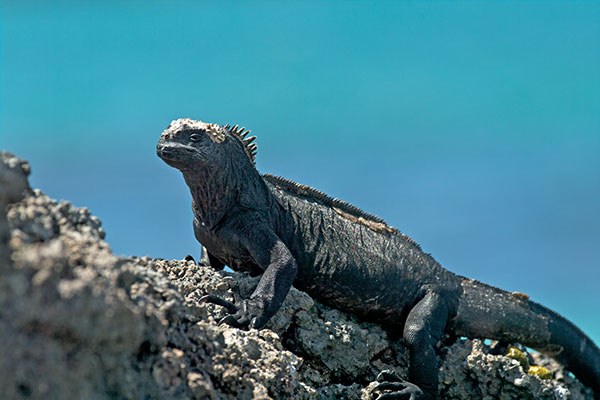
(398, 388)
(246, 315)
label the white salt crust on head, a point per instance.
(213, 131)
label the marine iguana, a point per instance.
(347, 259)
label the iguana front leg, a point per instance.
(422, 330)
(272, 256)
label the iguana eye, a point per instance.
(195, 137)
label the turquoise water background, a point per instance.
(472, 127)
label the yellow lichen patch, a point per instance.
(518, 355)
(540, 372)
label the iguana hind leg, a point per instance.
(422, 330)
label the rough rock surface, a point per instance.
(78, 322)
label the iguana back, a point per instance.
(344, 255)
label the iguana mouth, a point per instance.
(172, 152)
(164, 152)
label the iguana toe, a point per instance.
(211, 298)
(388, 375)
(398, 388)
(246, 315)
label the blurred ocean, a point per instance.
(472, 127)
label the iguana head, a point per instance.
(217, 163)
(190, 145)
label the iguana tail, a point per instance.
(488, 312)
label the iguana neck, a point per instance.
(215, 194)
(211, 194)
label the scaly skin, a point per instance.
(347, 259)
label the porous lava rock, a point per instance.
(78, 322)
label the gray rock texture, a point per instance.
(78, 322)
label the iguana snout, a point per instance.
(173, 153)
(187, 143)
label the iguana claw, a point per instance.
(231, 321)
(239, 316)
(400, 389)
